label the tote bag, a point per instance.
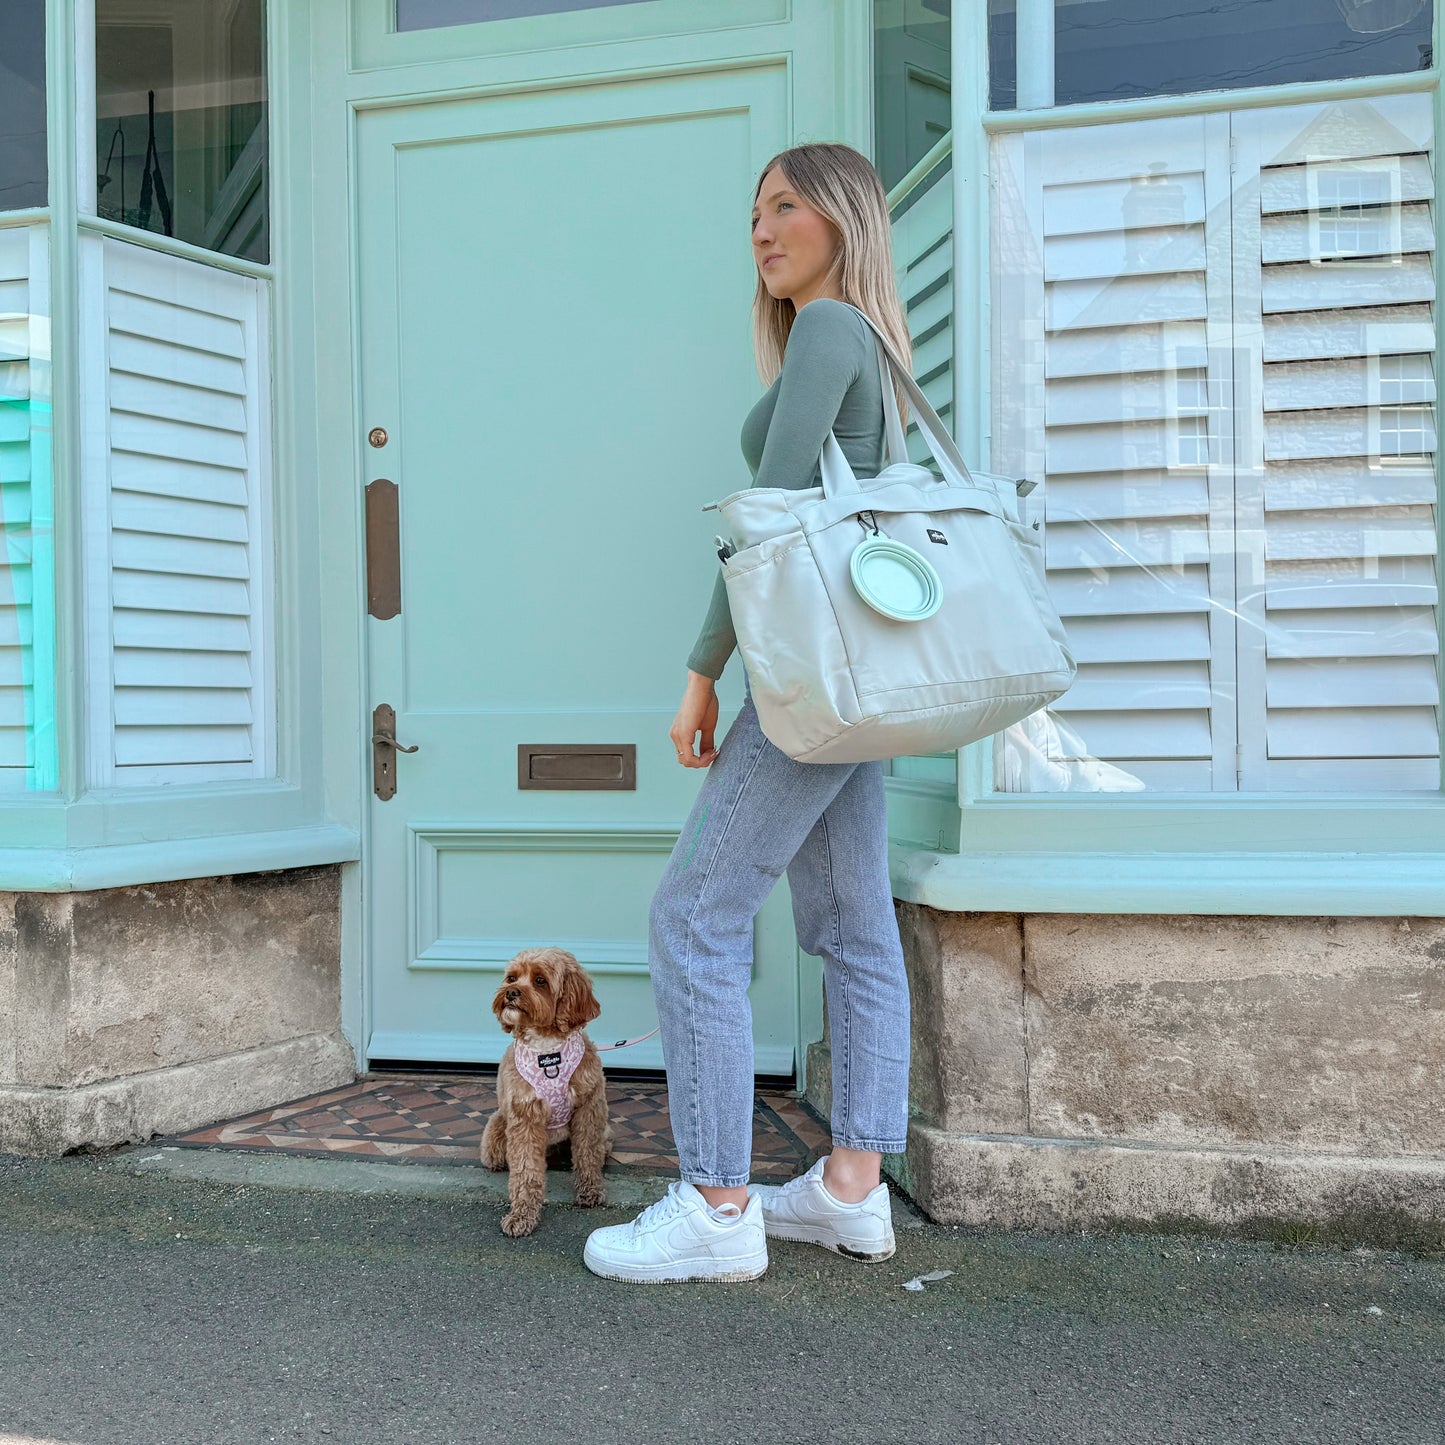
(897, 614)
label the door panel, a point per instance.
(555, 334)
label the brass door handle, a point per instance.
(389, 740)
(384, 747)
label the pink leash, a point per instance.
(624, 1043)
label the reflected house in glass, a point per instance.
(364, 368)
(180, 107)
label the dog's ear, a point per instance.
(576, 1003)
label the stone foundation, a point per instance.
(127, 1012)
(1255, 1074)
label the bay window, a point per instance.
(1214, 340)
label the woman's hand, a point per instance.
(697, 713)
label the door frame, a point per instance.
(318, 204)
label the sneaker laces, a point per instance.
(799, 1182)
(664, 1209)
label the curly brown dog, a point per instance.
(550, 1084)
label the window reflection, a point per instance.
(22, 105)
(912, 62)
(1224, 375)
(429, 14)
(28, 741)
(181, 122)
(1113, 49)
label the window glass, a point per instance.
(428, 14)
(1113, 49)
(911, 66)
(1002, 55)
(911, 87)
(28, 756)
(181, 122)
(1225, 381)
(22, 105)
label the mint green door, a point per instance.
(554, 292)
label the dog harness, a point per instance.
(549, 1074)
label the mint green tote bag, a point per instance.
(899, 614)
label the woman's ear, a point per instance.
(577, 1005)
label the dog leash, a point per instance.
(625, 1043)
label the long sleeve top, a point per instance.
(829, 379)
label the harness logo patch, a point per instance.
(936, 536)
(550, 1064)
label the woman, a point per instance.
(821, 238)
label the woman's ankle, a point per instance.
(717, 1196)
(851, 1175)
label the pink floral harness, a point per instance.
(550, 1073)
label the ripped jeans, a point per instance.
(757, 813)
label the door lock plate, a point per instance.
(383, 549)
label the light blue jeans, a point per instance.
(757, 813)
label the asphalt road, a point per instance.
(153, 1309)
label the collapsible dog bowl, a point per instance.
(895, 580)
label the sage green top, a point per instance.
(829, 379)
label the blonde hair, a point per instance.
(843, 186)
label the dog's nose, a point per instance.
(513, 995)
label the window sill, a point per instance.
(70, 870)
(1293, 883)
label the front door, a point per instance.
(554, 293)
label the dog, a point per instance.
(550, 1084)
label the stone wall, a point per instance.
(1072, 1070)
(127, 1012)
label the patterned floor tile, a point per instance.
(438, 1119)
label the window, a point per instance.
(1215, 344)
(911, 65)
(181, 122)
(429, 14)
(28, 748)
(911, 120)
(22, 106)
(1113, 49)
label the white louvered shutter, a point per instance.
(923, 265)
(1110, 253)
(27, 619)
(179, 524)
(1336, 487)
(922, 240)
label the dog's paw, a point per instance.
(588, 1196)
(517, 1222)
(493, 1161)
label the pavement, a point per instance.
(161, 1296)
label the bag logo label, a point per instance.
(936, 536)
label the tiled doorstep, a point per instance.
(438, 1120)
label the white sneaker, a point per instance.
(803, 1209)
(681, 1237)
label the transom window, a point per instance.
(1114, 49)
(429, 14)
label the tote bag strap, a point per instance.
(940, 444)
(838, 475)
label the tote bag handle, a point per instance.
(838, 475)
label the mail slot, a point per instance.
(577, 767)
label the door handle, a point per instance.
(389, 741)
(384, 748)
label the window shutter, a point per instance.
(923, 263)
(1111, 382)
(183, 476)
(1334, 294)
(27, 621)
